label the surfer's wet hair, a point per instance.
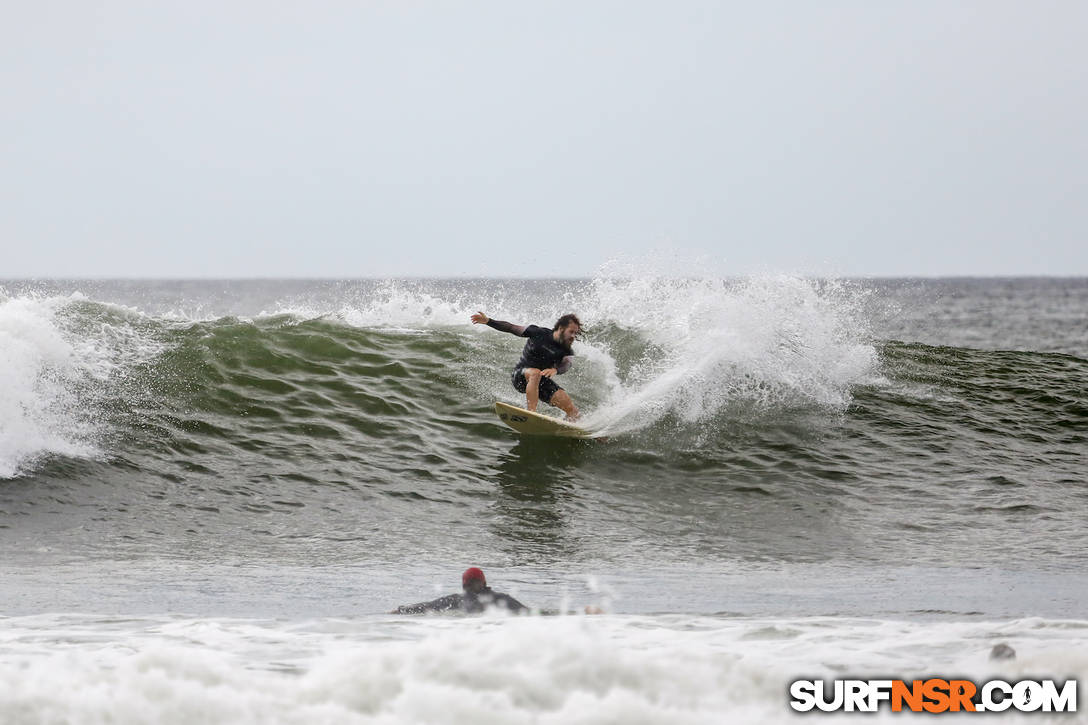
(566, 320)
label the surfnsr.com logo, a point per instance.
(934, 695)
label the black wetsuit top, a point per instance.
(541, 351)
(471, 602)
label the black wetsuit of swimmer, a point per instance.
(540, 352)
(471, 602)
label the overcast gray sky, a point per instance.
(349, 139)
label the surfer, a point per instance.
(476, 597)
(546, 354)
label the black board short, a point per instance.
(548, 388)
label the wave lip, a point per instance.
(39, 407)
(58, 358)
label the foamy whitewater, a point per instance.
(212, 493)
(615, 668)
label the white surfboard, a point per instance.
(530, 423)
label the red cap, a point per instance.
(472, 574)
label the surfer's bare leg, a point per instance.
(562, 401)
(532, 387)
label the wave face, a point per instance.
(771, 418)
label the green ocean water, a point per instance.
(213, 492)
(773, 421)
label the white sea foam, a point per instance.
(39, 408)
(768, 342)
(608, 669)
(52, 368)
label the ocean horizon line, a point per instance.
(515, 278)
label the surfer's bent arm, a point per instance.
(564, 364)
(513, 329)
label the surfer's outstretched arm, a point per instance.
(481, 319)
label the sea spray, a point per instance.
(771, 343)
(63, 359)
(40, 412)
